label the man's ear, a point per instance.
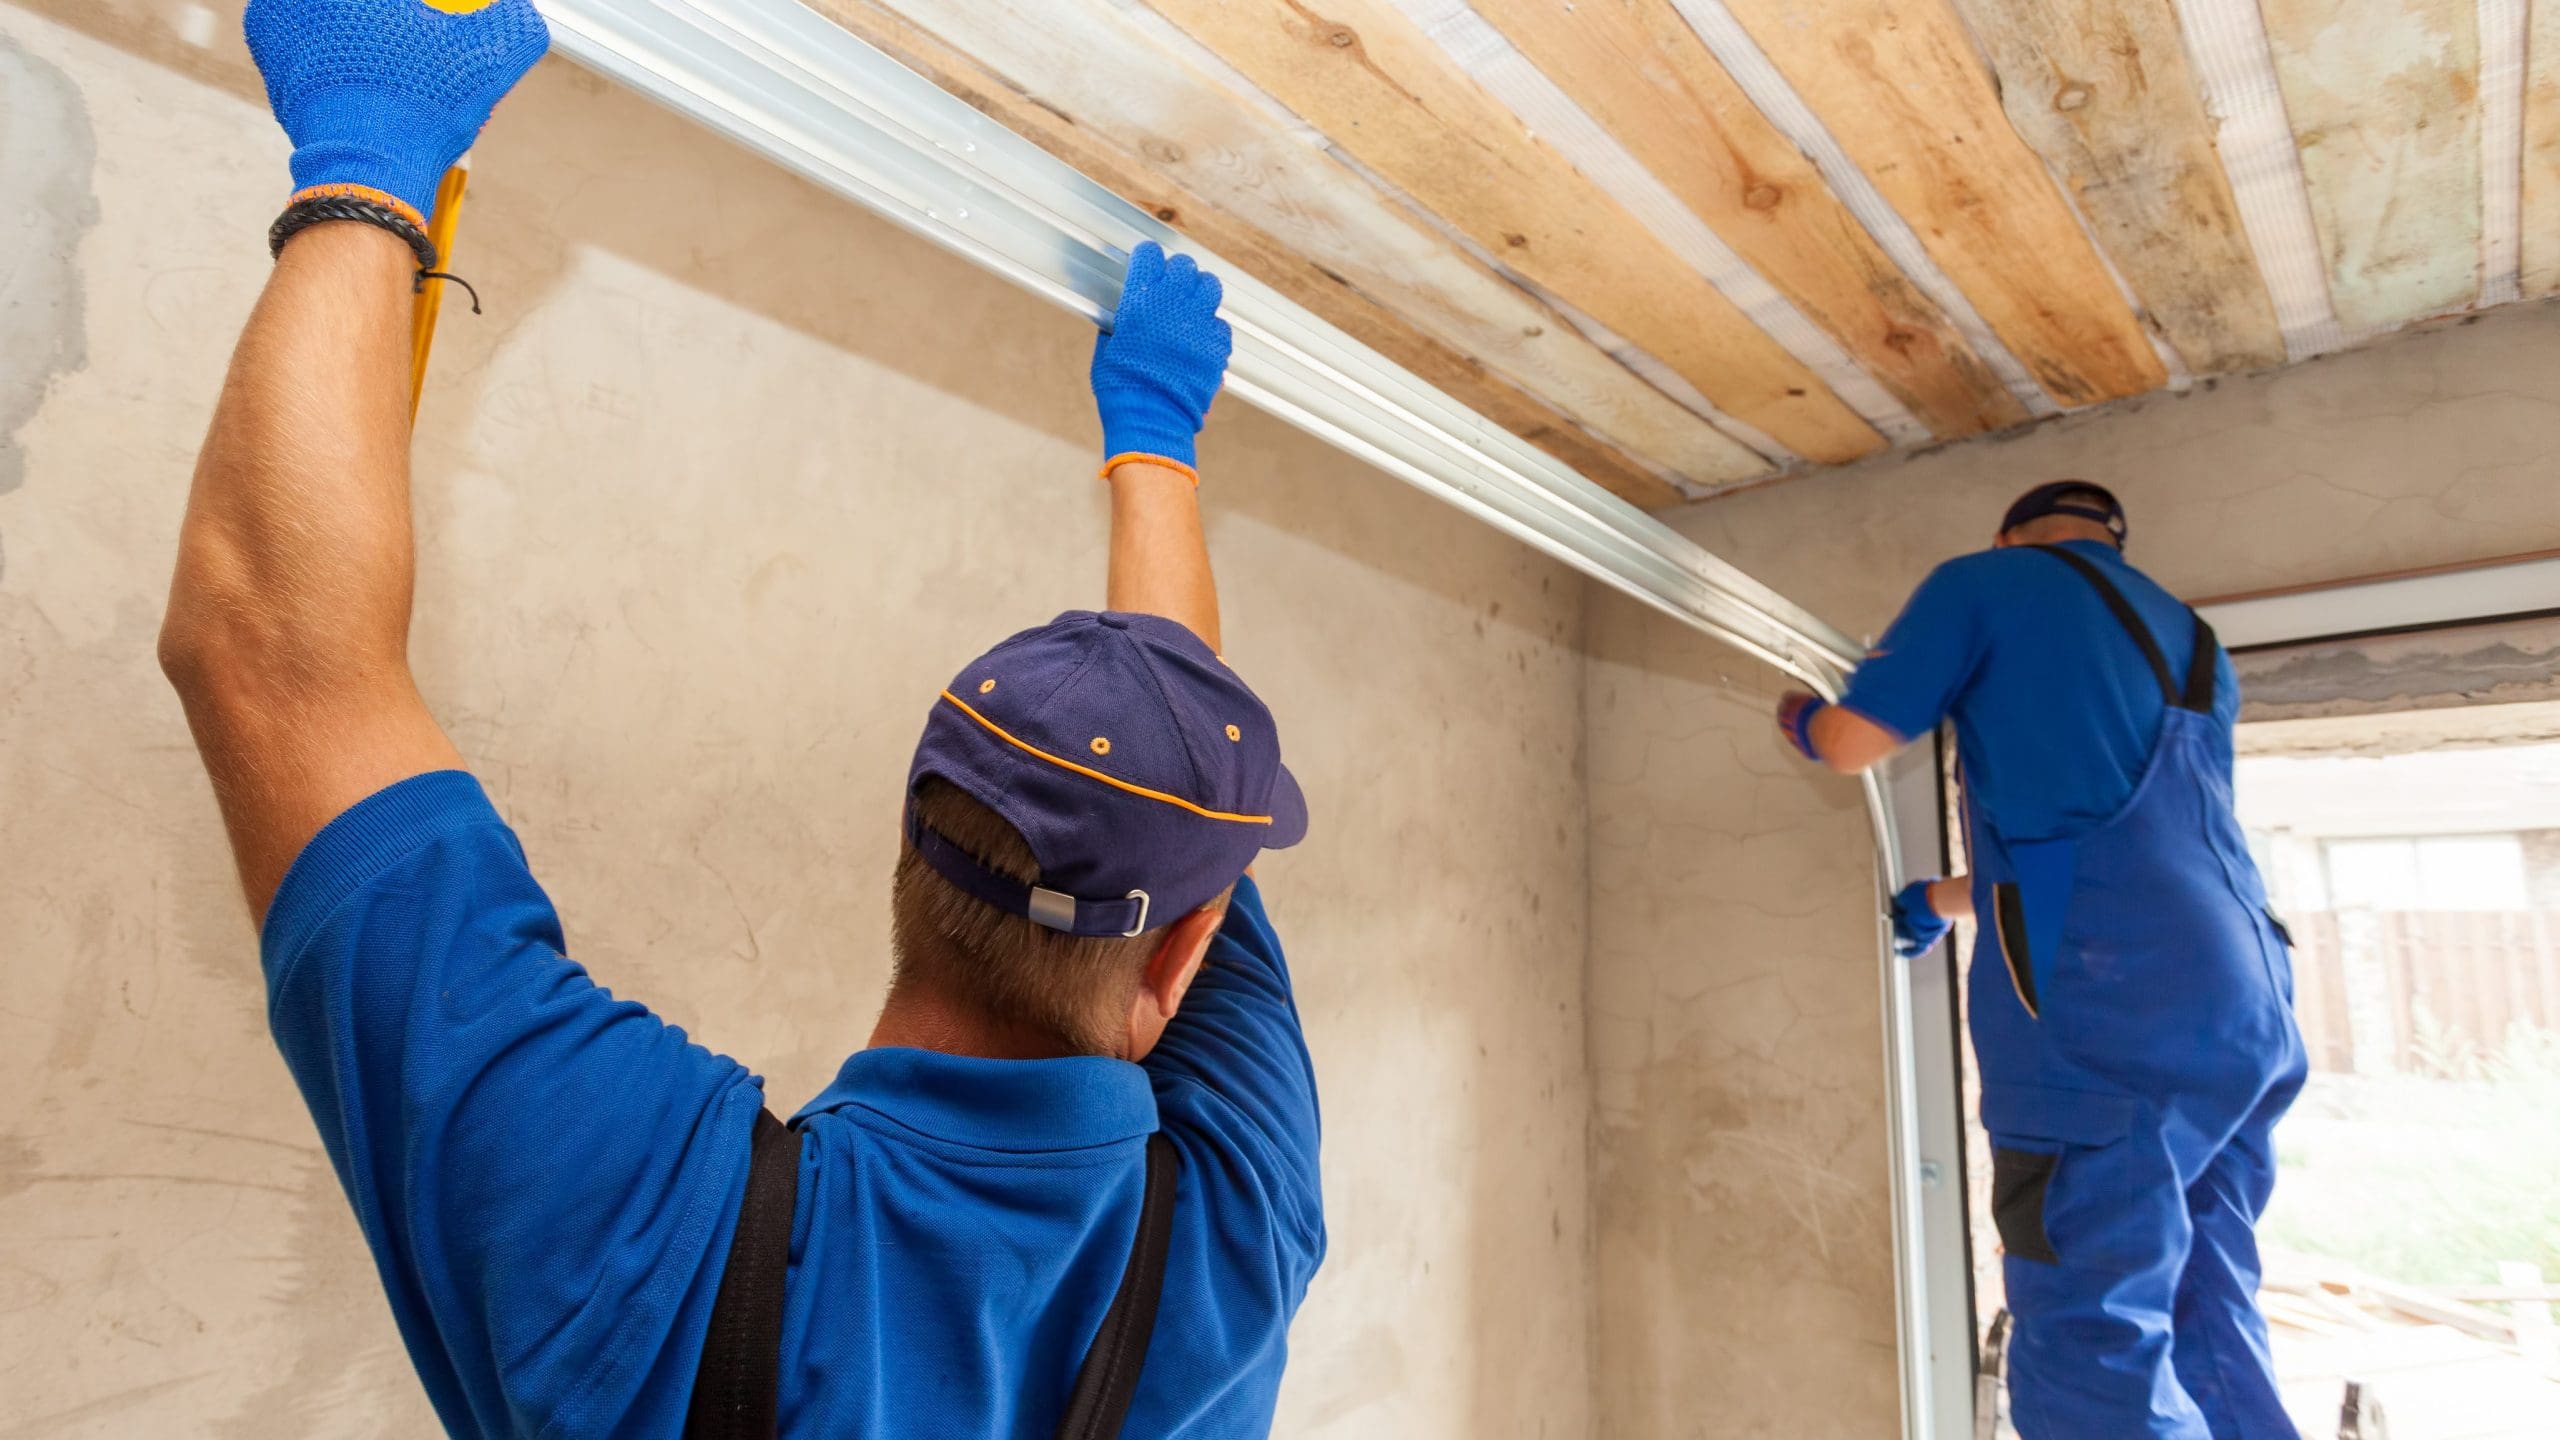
(1177, 959)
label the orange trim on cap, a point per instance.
(1113, 781)
(1140, 457)
(384, 198)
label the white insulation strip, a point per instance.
(2227, 39)
(1750, 68)
(2502, 47)
(1489, 57)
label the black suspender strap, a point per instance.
(1099, 1404)
(738, 1384)
(2200, 671)
(736, 1388)
(2198, 691)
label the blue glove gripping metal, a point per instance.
(1917, 926)
(380, 97)
(1161, 362)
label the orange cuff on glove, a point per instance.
(1139, 457)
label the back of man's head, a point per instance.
(1083, 799)
(1006, 968)
(2062, 510)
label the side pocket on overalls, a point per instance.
(2009, 924)
(2056, 1158)
(2028, 912)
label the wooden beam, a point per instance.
(2384, 97)
(1899, 85)
(1375, 84)
(1638, 69)
(2103, 91)
(1151, 127)
(2541, 252)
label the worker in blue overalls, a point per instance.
(2131, 996)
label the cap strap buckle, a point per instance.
(1055, 909)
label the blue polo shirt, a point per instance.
(2055, 709)
(548, 1176)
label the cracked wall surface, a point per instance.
(1739, 1209)
(723, 487)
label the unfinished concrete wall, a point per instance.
(1739, 1200)
(717, 494)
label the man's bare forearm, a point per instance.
(297, 530)
(1159, 554)
(287, 630)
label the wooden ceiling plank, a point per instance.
(1151, 127)
(2541, 249)
(1900, 86)
(2384, 99)
(2103, 91)
(1363, 73)
(1639, 70)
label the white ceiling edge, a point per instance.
(2502, 56)
(1488, 57)
(2236, 70)
(2444, 597)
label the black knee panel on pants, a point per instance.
(2019, 1179)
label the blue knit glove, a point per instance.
(380, 97)
(1917, 926)
(1161, 362)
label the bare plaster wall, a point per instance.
(723, 487)
(1738, 1202)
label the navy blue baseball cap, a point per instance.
(2068, 497)
(1144, 774)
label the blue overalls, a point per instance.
(2132, 1004)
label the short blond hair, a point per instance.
(1074, 988)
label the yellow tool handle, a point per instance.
(422, 313)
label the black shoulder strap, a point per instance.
(2200, 671)
(1109, 1380)
(2197, 694)
(737, 1386)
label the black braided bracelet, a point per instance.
(301, 215)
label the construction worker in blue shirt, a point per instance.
(1090, 1018)
(2131, 996)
